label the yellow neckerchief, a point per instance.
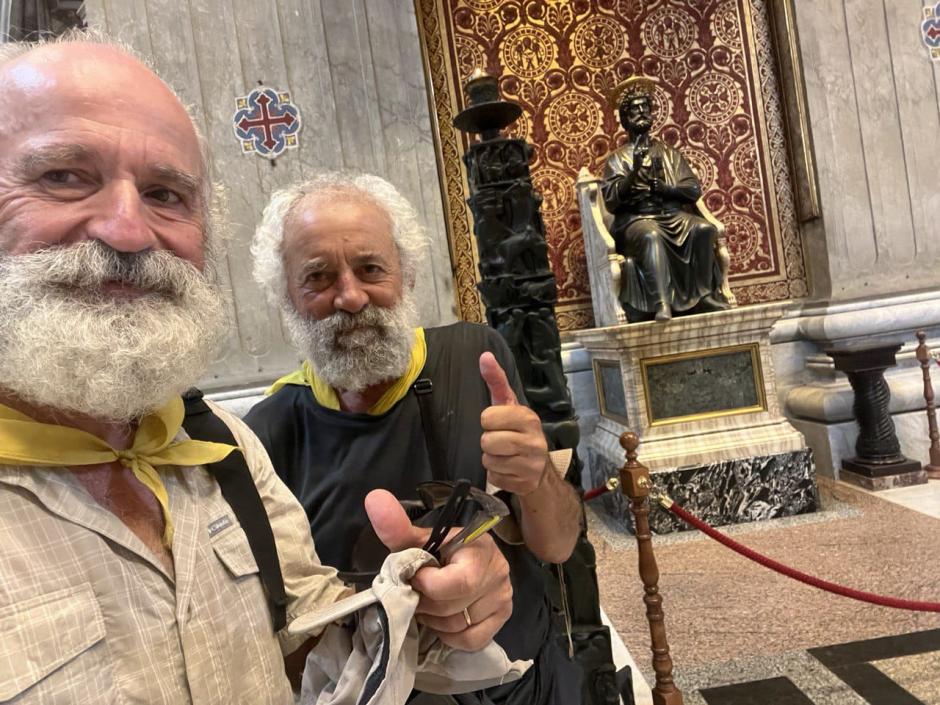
(326, 395)
(24, 441)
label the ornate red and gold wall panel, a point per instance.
(718, 102)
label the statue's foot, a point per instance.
(663, 313)
(710, 303)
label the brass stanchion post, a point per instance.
(924, 358)
(636, 485)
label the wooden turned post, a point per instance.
(924, 358)
(635, 484)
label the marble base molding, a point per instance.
(722, 493)
(696, 390)
(912, 473)
(833, 442)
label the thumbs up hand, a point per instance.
(515, 453)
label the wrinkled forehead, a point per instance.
(60, 85)
(341, 204)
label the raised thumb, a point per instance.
(391, 523)
(501, 393)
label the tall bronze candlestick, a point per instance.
(518, 289)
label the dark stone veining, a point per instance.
(728, 492)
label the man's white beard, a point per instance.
(353, 351)
(67, 344)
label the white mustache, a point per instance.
(92, 265)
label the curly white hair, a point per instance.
(267, 248)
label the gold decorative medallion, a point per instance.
(670, 32)
(714, 97)
(528, 52)
(598, 41)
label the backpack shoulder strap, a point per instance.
(239, 490)
(422, 389)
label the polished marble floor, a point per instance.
(921, 498)
(742, 636)
(894, 670)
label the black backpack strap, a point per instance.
(422, 389)
(239, 490)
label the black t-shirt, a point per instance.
(331, 460)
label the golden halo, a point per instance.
(632, 87)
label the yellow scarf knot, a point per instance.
(24, 441)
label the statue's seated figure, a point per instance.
(674, 258)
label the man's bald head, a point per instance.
(85, 67)
(86, 60)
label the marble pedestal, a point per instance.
(699, 392)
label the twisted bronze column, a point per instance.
(879, 463)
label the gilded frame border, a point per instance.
(599, 387)
(451, 178)
(786, 42)
(756, 367)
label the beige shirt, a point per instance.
(89, 615)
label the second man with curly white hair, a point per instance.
(339, 255)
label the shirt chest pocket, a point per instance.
(236, 590)
(52, 649)
(234, 552)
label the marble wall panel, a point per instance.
(873, 109)
(4, 17)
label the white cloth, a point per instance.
(387, 655)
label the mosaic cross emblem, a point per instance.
(930, 30)
(266, 122)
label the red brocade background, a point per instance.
(716, 100)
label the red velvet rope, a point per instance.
(596, 492)
(895, 602)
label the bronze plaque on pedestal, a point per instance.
(703, 384)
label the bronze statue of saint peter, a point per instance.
(651, 191)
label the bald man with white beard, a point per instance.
(123, 575)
